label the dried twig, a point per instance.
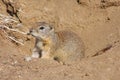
(12, 38)
(15, 30)
(7, 19)
(103, 50)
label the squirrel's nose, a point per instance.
(30, 31)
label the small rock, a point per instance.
(28, 58)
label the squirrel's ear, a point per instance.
(51, 27)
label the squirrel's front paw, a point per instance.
(28, 58)
(35, 55)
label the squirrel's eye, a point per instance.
(41, 28)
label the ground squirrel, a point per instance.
(64, 46)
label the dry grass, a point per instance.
(8, 23)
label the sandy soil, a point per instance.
(96, 21)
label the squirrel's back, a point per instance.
(69, 46)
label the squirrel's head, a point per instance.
(41, 30)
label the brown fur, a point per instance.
(64, 46)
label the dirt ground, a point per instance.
(97, 22)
